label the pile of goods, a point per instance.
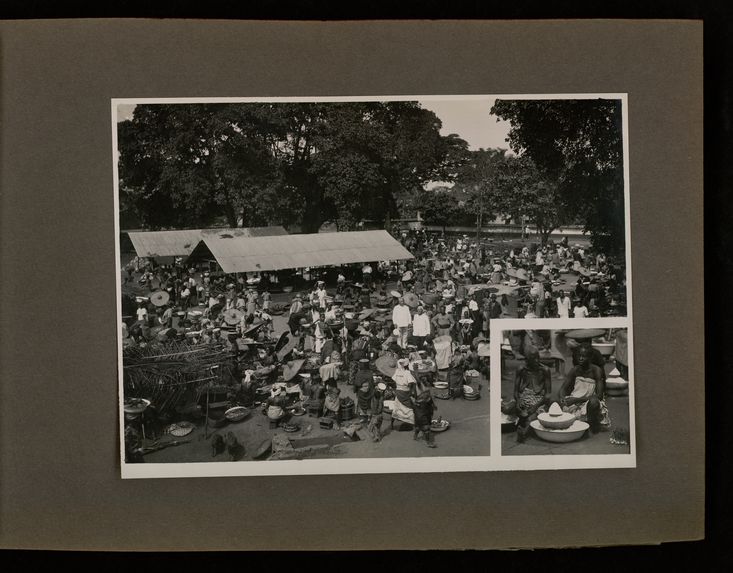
(558, 426)
(439, 425)
(615, 385)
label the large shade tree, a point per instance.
(440, 207)
(279, 163)
(577, 144)
(477, 182)
(526, 194)
(186, 165)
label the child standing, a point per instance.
(377, 407)
(424, 408)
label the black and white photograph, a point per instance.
(565, 392)
(308, 286)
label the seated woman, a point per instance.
(316, 393)
(583, 392)
(275, 405)
(456, 378)
(364, 396)
(332, 405)
(405, 388)
(362, 375)
(532, 389)
(330, 372)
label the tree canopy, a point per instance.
(576, 145)
(279, 163)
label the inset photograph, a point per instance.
(565, 392)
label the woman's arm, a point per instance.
(601, 384)
(567, 388)
(548, 386)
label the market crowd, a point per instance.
(371, 339)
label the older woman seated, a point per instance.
(532, 389)
(583, 392)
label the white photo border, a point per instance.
(438, 464)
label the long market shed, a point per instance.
(250, 254)
(181, 243)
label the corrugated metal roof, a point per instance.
(182, 243)
(242, 254)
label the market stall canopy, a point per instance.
(249, 254)
(182, 243)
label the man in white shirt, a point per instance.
(401, 318)
(142, 313)
(420, 327)
(321, 294)
(563, 305)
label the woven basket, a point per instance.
(236, 414)
(430, 298)
(180, 429)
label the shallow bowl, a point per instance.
(616, 386)
(439, 426)
(571, 434)
(137, 408)
(605, 348)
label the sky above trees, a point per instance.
(549, 161)
(466, 118)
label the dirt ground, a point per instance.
(468, 434)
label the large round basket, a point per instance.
(136, 406)
(411, 300)
(584, 333)
(236, 414)
(159, 297)
(180, 429)
(233, 316)
(430, 298)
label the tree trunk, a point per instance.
(544, 235)
(479, 221)
(231, 216)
